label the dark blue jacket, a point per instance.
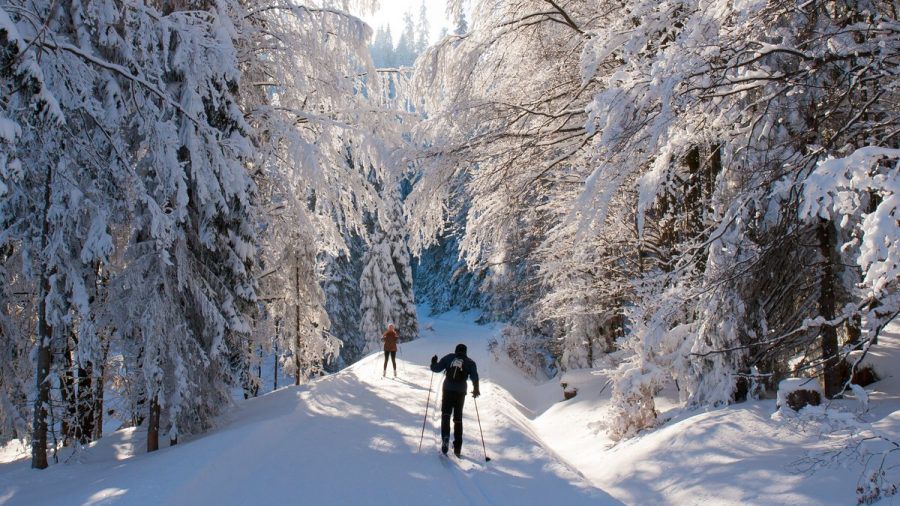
(469, 368)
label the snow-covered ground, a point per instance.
(353, 437)
(746, 453)
(349, 438)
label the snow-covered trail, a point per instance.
(348, 438)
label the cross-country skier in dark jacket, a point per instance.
(459, 368)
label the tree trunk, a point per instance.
(590, 349)
(153, 426)
(852, 326)
(98, 406)
(831, 375)
(99, 382)
(692, 187)
(297, 321)
(259, 381)
(43, 355)
(42, 367)
(140, 397)
(67, 395)
(85, 402)
(275, 383)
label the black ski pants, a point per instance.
(452, 405)
(393, 355)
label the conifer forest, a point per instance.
(668, 232)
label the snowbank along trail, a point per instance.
(349, 438)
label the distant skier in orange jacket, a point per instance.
(390, 348)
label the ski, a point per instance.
(464, 464)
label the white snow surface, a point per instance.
(348, 438)
(352, 438)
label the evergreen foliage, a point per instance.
(173, 183)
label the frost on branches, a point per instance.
(707, 187)
(162, 166)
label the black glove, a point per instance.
(434, 360)
(475, 391)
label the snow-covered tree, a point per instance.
(422, 30)
(62, 197)
(505, 139)
(382, 48)
(322, 120)
(736, 206)
(135, 224)
(658, 166)
(386, 284)
(343, 298)
(406, 46)
(462, 25)
(295, 297)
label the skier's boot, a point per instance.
(384, 372)
(444, 446)
(457, 447)
(395, 373)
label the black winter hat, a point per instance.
(461, 349)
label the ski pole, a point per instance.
(486, 458)
(427, 403)
(437, 425)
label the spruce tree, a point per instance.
(462, 25)
(386, 280)
(422, 30)
(406, 46)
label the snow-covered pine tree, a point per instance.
(443, 280)
(342, 297)
(462, 24)
(395, 235)
(422, 30)
(386, 280)
(73, 179)
(382, 48)
(294, 295)
(26, 91)
(16, 376)
(188, 292)
(406, 45)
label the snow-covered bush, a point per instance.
(523, 349)
(862, 371)
(633, 407)
(796, 393)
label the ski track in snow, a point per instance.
(348, 438)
